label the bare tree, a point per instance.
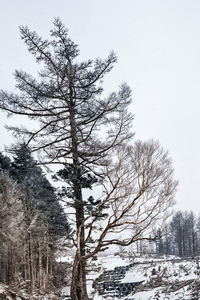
(11, 212)
(11, 227)
(138, 187)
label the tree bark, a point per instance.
(78, 285)
(32, 285)
(25, 261)
(40, 264)
(47, 264)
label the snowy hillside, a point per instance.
(158, 278)
(144, 278)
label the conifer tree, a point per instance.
(40, 193)
(4, 163)
(82, 129)
(78, 125)
(32, 221)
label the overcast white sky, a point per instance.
(158, 48)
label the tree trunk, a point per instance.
(78, 284)
(193, 241)
(32, 285)
(40, 264)
(25, 261)
(10, 264)
(47, 265)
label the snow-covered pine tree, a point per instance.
(25, 171)
(44, 218)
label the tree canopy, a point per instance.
(87, 133)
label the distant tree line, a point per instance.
(32, 222)
(180, 236)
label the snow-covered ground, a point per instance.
(164, 278)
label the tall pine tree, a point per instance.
(78, 125)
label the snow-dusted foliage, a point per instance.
(31, 223)
(11, 212)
